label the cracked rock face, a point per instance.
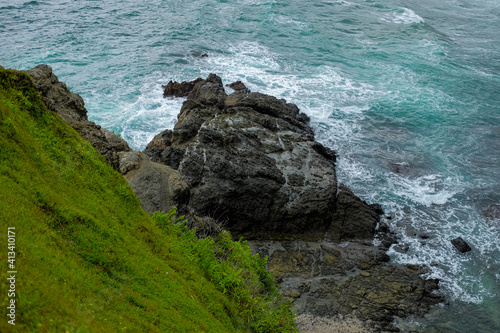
(252, 159)
(328, 280)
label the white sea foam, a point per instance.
(148, 118)
(442, 220)
(256, 2)
(402, 16)
(149, 114)
(339, 2)
(344, 3)
(427, 190)
(264, 71)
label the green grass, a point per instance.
(89, 259)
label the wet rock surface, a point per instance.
(461, 245)
(327, 280)
(251, 158)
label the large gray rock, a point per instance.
(117, 142)
(71, 108)
(160, 187)
(252, 158)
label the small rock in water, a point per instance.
(461, 245)
(403, 168)
(239, 87)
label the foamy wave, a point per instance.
(427, 190)
(455, 272)
(149, 114)
(264, 71)
(428, 229)
(318, 94)
(403, 16)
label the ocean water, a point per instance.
(407, 93)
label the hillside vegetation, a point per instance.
(89, 259)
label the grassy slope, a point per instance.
(90, 260)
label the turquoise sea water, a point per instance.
(407, 93)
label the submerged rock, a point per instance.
(492, 212)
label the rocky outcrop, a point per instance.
(71, 108)
(329, 280)
(176, 89)
(159, 187)
(252, 159)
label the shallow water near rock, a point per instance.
(405, 91)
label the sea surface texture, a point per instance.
(407, 93)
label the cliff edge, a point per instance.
(250, 161)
